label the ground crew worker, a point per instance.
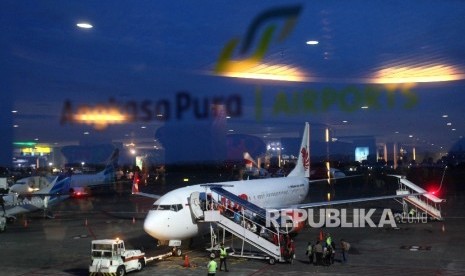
(309, 252)
(345, 246)
(318, 248)
(289, 250)
(212, 266)
(223, 255)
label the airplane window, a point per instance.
(164, 207)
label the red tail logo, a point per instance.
(305, 158)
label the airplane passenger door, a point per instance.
(195, 204)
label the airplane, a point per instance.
(30, 184)
(171, 218)
(79, 182)
(13, 204)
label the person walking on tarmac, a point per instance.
(345, 246)
(223, 256)
(318, 248)
(310, 252)
(212, 266)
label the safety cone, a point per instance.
(443, 228)
(321, 235)
(186, 261)
(85, 223)
(133, 220)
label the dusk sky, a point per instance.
(393, 70)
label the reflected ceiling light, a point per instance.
(86, 133)
(99, 116)
(364, 107)
(345, 121)
(410, 136)
(312, 42)
(84, 25)
(445, 116)
(410, 74)
(15, 125)
(271, 72)
(449, 124)
(454, 129)
(143, 127)
(14, 111)
(252, 69)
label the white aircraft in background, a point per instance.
(171, 218)
(79, 182)
(13, 204)
(31, 184)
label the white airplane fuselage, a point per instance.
(167, 224)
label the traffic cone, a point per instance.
(186, 261)
(321, 235)
(133, 220)
(85, 222)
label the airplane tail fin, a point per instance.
(249, 162)
(57, 188)
(302, 168)
(112, 163)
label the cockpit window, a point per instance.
(172, 207)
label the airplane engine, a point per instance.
(293, 220)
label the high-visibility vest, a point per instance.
(328, 241)
(223, 252)
(212, 266)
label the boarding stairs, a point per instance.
(264, 239)
(420, 199)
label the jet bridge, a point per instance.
(425, 202)
(246, 221)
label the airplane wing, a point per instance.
(147, 195)
(334, 178)
(346, 201)
(135, 189)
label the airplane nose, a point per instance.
(150, 225)
(165, 226)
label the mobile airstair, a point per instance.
(244, 220)
(420, 201)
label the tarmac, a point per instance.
(33, 245)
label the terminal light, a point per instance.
(84, 25)
(312, 42)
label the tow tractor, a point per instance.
(110, 257)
